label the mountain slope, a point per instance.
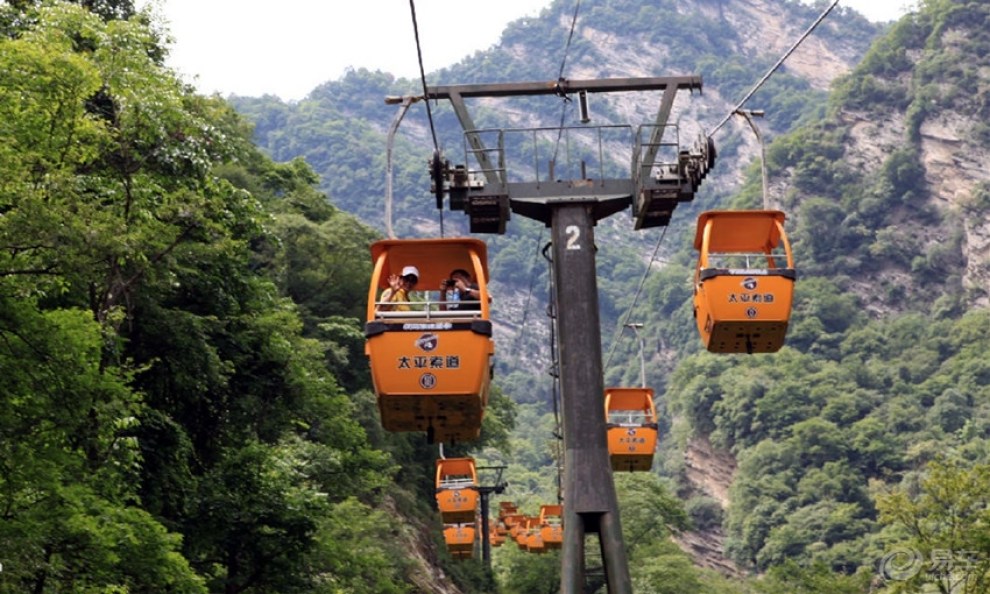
(886, 195)
(886, 202)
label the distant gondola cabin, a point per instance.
(495, 537)
(456, 490)
(520, 531)
(431, 359)
(514, 523)
(631, 422)
(532, 538)
(744, 280)
(460, 540)
(552, 526)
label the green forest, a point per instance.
(186, 406)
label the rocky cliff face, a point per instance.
(764, 30)
(940, 126)
(425, 573)
(709, 473)
(955, 174)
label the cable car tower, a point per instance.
(662, 175)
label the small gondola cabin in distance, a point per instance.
(460, 540)
(552, 526)
(456, 490)
(744, 280)
(431, 361)
(631, 423)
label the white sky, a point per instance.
(287, 48)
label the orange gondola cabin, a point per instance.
(431, 361)
(505, 509)
(552, 526)
(495, 537)
(631, 422)
(514, 523)
(457, 490)
(460, 540)
(529, 538)
(520, 531)
(744, 281)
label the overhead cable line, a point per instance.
(435, 162)
(422, 75)
(558, 433)
(774, 68)
(560, 79)
(615, 337)
(533, 273)
(563, 113)
(567, 47)
(393, 128)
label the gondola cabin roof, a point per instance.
(434, 258)
(740, 230)
(630, 399)
(463, 468)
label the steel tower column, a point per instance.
(590, 504)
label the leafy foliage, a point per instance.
(943, 516)
(185, 406)
(175, 423)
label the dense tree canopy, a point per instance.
(174, 416)
(185, 405)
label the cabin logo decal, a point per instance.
(428, 342)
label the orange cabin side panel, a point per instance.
(552, 535)
(740, 230)
(462, 471)
(457, 506)
(632, 448)
(534, 542)
(629, 399)
(432, 379)
(459, 539)
(743, 313)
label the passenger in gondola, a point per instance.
(400, 291)
(465, 295)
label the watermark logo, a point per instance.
(901, 565)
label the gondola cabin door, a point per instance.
(744, 281)
(631, 422)
(431, 356)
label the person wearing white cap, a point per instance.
(399, 287)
